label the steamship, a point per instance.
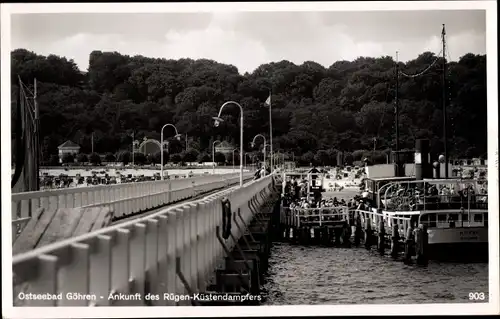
(455, 209)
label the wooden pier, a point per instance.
(343, 227)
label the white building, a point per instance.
(68, 147)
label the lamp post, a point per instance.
(133, 150)
(177, 136)
(233, 159)
(213, 156)
(263, 150)
(218, 119)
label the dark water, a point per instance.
(300, 275)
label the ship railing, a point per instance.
(321, 216)
(455, 218)
(435, 202)
(374, 218)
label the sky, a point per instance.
(249, 39)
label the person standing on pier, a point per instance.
(361, 205)
(313, 170)
(296, 188)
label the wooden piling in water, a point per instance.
(244, 267)
(395, 241)
(421, 243)
(368, 233)
(381, 237)
(409, 245)
(358, 232)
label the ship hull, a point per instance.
(467, 244)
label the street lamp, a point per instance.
(263, 151)
(177, 136)
(218, 119)
(213, 156)
(233, 159)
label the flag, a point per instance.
(268, 101)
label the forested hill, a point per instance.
(342, 107)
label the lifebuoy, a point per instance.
(466, 192)
(226, 218)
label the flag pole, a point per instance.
(133, 149)
(270, 132)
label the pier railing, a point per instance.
(174, 251)
(123, 199)
(318, 216)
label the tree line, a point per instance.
(317, 111)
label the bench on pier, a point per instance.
(49, 226)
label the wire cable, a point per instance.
(424, 71)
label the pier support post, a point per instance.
(395, 241)
(381, 237)
(338, 236)
(368, 233)
(421, 242)
(346, 235)
(317, 235)
(409, 245)
(358, 231)
(293, 235)
(325, 238)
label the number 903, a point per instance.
(476, 296)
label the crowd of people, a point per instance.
(295, 199)
(412, 196)
(261, 171)
(48, 182)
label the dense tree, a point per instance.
(125, 157)
(176, 158)
(219, 157)
(82, 158)
(68, 158)
(152, 159)
(190, 155)
(140, 159)
(204, 157)
(54, 160)
(166, 156)
(110, 157)
(344, 107)
(95, 159)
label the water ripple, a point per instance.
(301, 275)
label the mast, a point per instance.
(36, 137)
(445, 140)
(398, 173)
